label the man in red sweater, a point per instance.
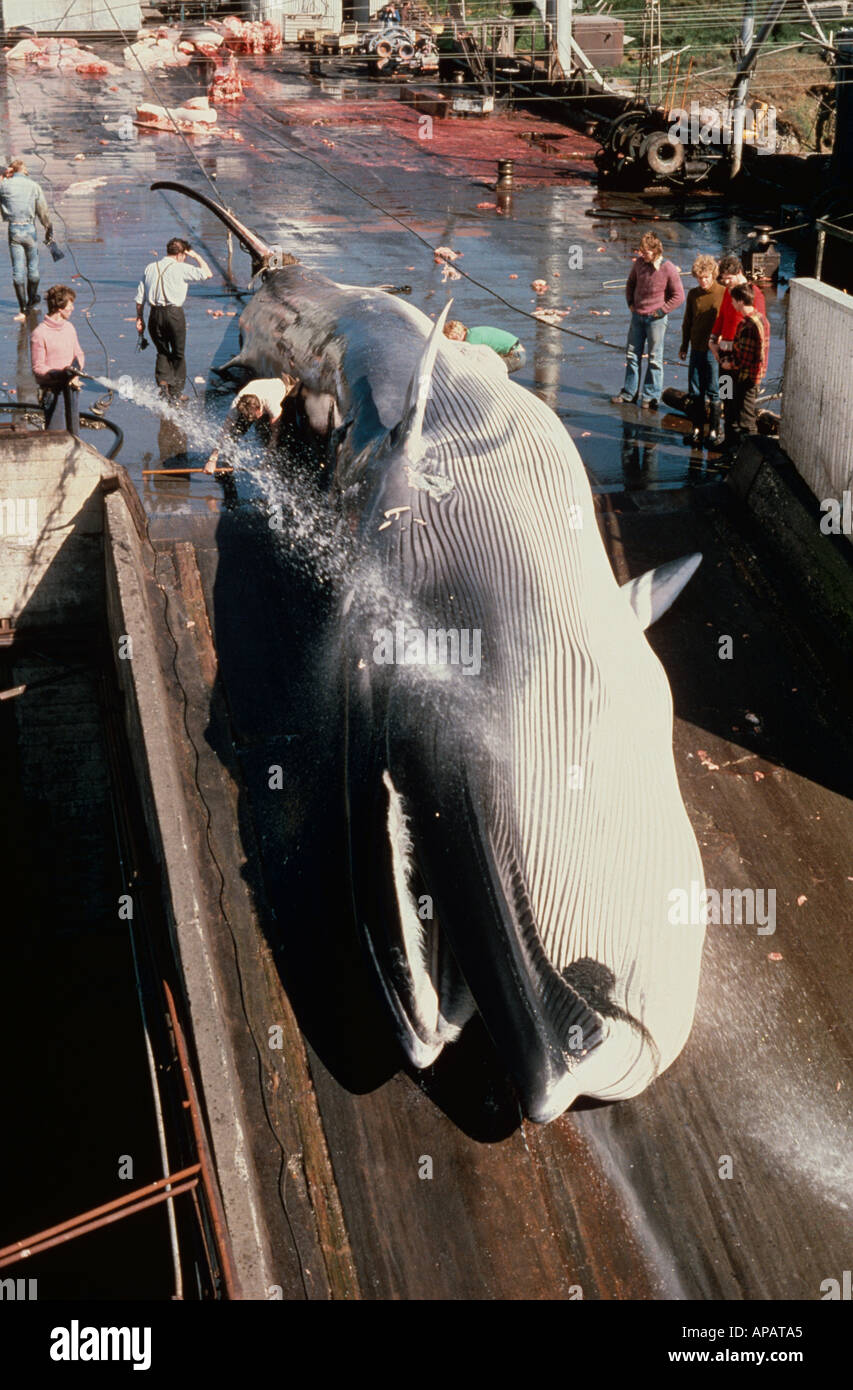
(653, 290)
(729, 274)
(54, 348)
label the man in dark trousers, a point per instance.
(164, 285)
(746, 366)
(653, 290)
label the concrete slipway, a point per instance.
(620, 1202)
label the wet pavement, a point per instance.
(626, 1201)
(273, 163)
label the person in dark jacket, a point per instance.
(703, 380)
(652, 291)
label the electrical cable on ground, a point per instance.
(487, 289)
(161, 102)
(407, 228)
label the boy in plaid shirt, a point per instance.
(746, 365)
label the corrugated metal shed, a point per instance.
(294, 15)
(70, 16)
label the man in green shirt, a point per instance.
(506, 345)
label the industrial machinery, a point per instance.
(639, 147)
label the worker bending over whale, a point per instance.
(506, 345)
(261, 400)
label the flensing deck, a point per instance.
(620, 1201)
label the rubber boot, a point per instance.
(21, 295)
(695, 414)
(715, 435)
(33, 296)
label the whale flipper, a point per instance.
(409, 433)
(652, 593)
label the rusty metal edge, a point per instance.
(152, 726)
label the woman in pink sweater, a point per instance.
(54, 348)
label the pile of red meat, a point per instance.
(248, 36)
(226, 84)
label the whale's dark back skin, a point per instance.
(517, 831)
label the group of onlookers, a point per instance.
(725, 331)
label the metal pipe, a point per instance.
(668, 82)
(110, 1211)
(104, 1221)
(211, 1189)
(752, 48)
(821, 239)
(676, 76)
(687, 84)
(811, 14)
(741, 87)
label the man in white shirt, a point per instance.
(164, 285)
(261, 399)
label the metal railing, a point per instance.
(825, 229)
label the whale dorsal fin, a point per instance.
(653, 592)
(411, 427)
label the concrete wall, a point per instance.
(817, 402)
(51, 524)
(84, 16)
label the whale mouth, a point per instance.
(449, 928)
(416, 970)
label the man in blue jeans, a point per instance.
(21, 202)
(653, 290)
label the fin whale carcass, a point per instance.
(517, 832)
